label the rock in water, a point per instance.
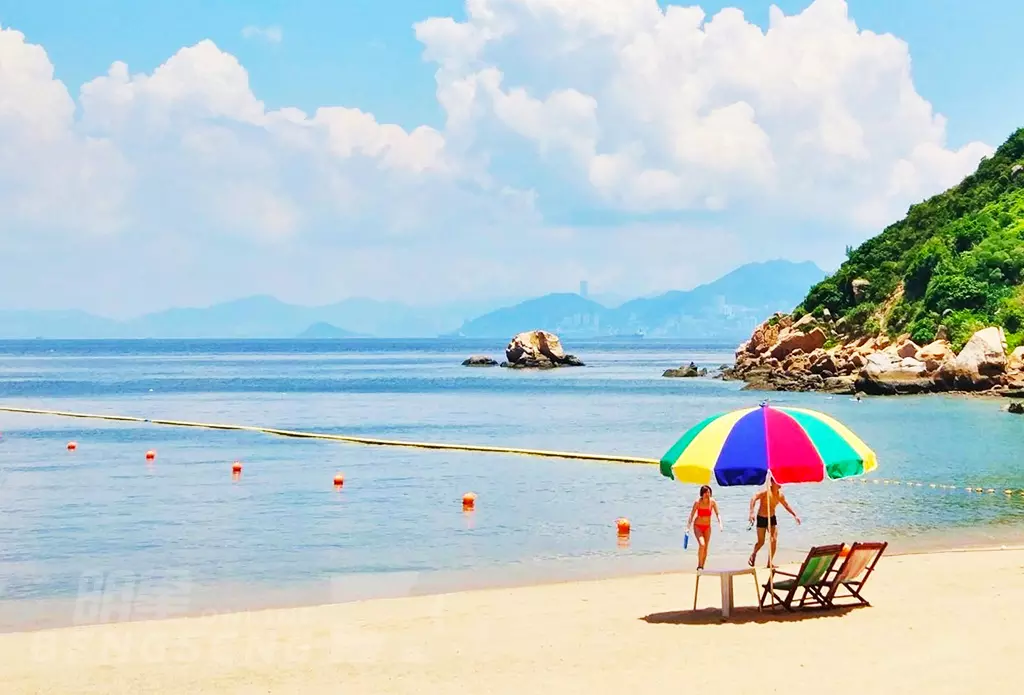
(1017, 408)
(538, 350)
(689, 371)
(479, 361)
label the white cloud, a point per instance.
(673, 110)
(271, 34)
(595, 105)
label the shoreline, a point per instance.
(995, 395)
(237, 598)
(563, 636)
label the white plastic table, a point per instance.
(725, 577)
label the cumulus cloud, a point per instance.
(620, 108)
(271, 34)
(669, 109)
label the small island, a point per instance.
(538, 350)
(686, 372)
(529, 350)
(479, 361)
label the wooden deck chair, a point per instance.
(810, 579)
(854, 573)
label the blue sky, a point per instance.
(519, 183)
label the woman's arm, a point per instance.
(714, 505)
(693, 513)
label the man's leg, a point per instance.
(774, 543)
(757, 546)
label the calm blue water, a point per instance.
(282, 534)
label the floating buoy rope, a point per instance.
(1007, 491)
(610, 458)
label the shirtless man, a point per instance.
(766, 518)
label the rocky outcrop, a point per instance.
(792, 340)
(479, 361)
(1016, 407)
(538, 350)
(859, 286)
(775, 359)
(688, 372)
(979, 365)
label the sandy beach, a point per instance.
(939, 623)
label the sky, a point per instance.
(183, 153)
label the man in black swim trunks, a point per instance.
(766, 517)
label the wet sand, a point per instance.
(940, 623)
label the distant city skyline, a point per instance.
(182, 154)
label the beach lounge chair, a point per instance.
(854, 573)
(810, 579)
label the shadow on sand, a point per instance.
(742, 616)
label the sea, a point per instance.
(101, 534)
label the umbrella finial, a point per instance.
(764, 403)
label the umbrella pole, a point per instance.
(771, 530)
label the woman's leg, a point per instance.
(703, 539)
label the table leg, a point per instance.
(757, 591)
(726, 595)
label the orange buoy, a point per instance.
(339, 480)
(236, 467)
(469, 500)
(622, 524)
(72, 446)
(150, 455)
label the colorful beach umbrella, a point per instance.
(741, 447)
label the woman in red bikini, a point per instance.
(700, 520)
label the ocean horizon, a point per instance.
(103, 519)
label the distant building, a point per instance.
(584, 289)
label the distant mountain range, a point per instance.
(726, 308)
(251, 317)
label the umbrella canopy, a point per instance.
(743, 446)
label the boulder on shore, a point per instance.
(479, 361)
(1015, 362)
(883, 375)
(980, 365)
(935, 354)
(538, 350)
(689, 371)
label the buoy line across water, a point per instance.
(1007, 492)
(479, 448)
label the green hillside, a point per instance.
(956, 260)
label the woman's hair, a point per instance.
(705, 488)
